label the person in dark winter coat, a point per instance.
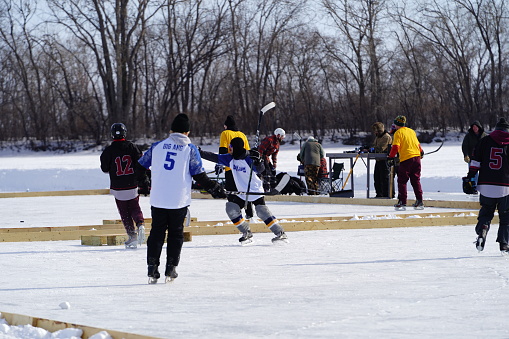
(381, 173)
(175, 162)
(120, 161)
(470, 141)
(310, 155)
(491, 160)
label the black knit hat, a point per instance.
(502, 125)
(229, 122)
(238, 149)
(180, 124)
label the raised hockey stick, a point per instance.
(438, 149)
(257, 137)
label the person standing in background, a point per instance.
(310, 155)
(470, 141)
(174, 163)
(381, 172)
(120, 160)
(405, 143)
(269, 149)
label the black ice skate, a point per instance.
(246, 238)
(281, 237)
(170, 273)
(153, 274)
(481, 239)
(400, 206)
(418, 205)
(504, 249)
(132, 242)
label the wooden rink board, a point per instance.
(114, 227)
(54, 325)
(116, 239)
(226, 227)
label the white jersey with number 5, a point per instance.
(173, 162)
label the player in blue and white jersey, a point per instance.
(241, 161)
(174, 163)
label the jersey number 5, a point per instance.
(124, 170)
(496, 158)
(170, 162)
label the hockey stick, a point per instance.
(274, 192)
(257, 137)
(438, 149)
(351, 171)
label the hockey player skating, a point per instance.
(174, 162)
(120, 161)
(231, 131)
(410, 153)
(241, 161)
(491, 160)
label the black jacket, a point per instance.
(491, 159)
(471, 139)
(120, 160)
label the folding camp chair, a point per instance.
(333, 181)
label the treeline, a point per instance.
(69, 69)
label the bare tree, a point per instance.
(355, 50)
(113, 33)
(491, 19)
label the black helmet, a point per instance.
(118, 131)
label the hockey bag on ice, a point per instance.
(293, 186)
(469, 186)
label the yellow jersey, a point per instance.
(226, 137)
(406, 139)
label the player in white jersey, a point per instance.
(241, 161)
(174, 163)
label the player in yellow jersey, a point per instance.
(410, 153)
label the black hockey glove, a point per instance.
(219, 169)
(390, 162)
(217, 192)
(255, 155)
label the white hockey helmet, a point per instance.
(279, 132)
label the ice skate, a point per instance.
(247, 238)
(132, 242)
(418, 205)
(141, 234)
(504, 250)
(281, 237)
(400, 206)
(481, 239)
(153, 274)
(170, 273)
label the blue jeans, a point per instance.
(486, 213)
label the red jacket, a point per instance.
(269, 147)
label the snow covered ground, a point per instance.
(425, 282)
